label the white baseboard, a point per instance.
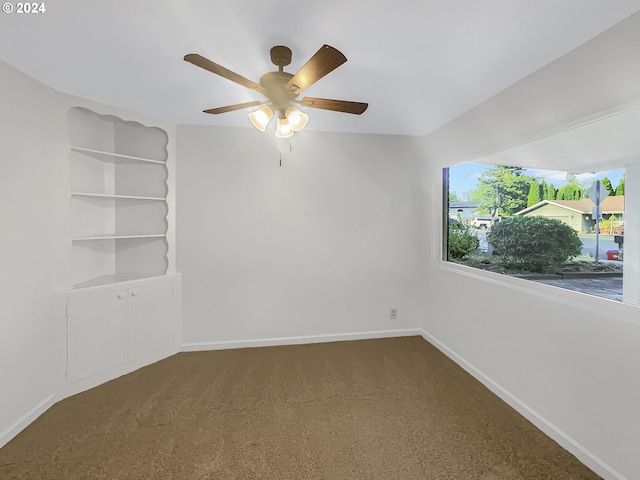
(26, 419)
(567, 442)
(88, 383)
(299, 340)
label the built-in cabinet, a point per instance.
(123, 308)
(110, 327)
(118, 199)
(97, 337)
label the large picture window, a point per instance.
(547, 226)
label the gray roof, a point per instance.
(463, 204)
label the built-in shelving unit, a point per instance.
(118, 199)
(113, 157)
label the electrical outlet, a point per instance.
(393, 314)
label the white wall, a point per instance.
(32, 137)
(566, 360)
(323, 246)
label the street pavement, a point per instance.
(605, 243)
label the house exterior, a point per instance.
(462, 210)
(578, 214)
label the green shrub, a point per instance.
(535, 244)
(461, 241)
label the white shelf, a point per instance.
(117, 237)
(114, 278)
(106, 195)
(113, 157)
(117, 201)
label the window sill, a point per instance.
(584, 301)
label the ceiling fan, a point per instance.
(282, 89)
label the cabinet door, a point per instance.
(151, 317)
(96, 333)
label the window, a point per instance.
(536, 224)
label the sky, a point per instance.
(463, 178)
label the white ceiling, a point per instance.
(418, 63)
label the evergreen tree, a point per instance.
(606, 183)
(550, 192)
(534, 193)
(570, 191)
(620, 187)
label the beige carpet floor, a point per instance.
(371, 409)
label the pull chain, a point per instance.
(280, 149)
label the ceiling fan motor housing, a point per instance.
(280, 56)
(275, 83)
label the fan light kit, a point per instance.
(294, 120)
(282, 89)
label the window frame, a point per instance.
(578, 299)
